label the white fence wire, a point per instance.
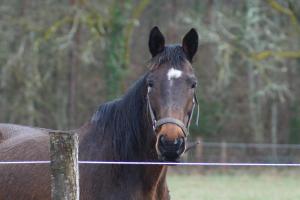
(161, 163)
(203, 162)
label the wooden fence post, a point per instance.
(64, 165)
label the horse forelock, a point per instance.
(172, 54)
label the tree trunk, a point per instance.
(274, 125)
(72, 76)
(254, 102)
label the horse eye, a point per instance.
(194, 85)
(150, 84)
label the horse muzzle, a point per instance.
(170, 150)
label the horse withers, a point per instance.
(149, 123)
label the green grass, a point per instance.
(237, 186)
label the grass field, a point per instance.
(235, 186)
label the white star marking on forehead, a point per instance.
(173, 73)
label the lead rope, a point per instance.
(191, 145)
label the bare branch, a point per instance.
(276, 6)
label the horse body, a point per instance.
(149, 123)
(24, 181)
(108, 136)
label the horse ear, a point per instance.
(156, 41)
(190, 44)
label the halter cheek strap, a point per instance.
(157, 123)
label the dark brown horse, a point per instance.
(149, 123)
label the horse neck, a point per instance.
(100, 144)
(144, 136)
(153, 176)
(121, 130)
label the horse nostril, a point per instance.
(170, 145)
(178, 141)
(181, 141)
(162, 139)
(166, 142)
(170, 150)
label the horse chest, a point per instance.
(132, 183)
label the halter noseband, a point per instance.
(157, 123)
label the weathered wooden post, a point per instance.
(64, 165)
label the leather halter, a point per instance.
(157, 123)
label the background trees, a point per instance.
(59, 60)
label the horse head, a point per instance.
(171, 97)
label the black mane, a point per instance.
(124, 121)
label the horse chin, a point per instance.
(165, 158)
(169, 156)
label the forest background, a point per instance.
(59, 60)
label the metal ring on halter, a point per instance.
(157, 123)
